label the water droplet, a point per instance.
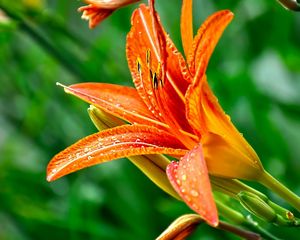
(194, 193)
(118, 105)
(150, 92)
(183, 177)
(86, 149)
(187, 198)
(195, 206)
(90, 157)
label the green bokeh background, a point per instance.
(255, 72)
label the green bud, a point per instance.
(103, 120)
(257, 206)
(232, 187)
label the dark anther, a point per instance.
(155, 81)
(139, 67)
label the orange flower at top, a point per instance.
(98, 10)
(172, 110)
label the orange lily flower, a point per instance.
(97, 10)
(171, 110)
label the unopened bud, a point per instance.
(257, 206)
(181, 227)
(103, 120)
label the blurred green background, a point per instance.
(255, 72)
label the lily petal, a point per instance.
(205, 41)
(121, 101)
(143, 56)
(94, 14)
(217, 121)
(190, 179)
(118, 142)
(98, 10)
(145, 60)
(110, 4)
(193, 108)
(186, 25)
(205, 115)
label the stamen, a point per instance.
(154, 80)
(139, 66)
(148, 58)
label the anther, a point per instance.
(148, 57)
(155, 81)
(139, 66)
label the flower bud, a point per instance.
(257, 206)
(181, 227)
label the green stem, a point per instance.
(252, 225)
(276, 186)
(238, 218)
(245, 234)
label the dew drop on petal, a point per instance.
(194, 193)
(195, 206)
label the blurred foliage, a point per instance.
(255, 72)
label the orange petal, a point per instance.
(216, 121)
(110, 4)
(94, 14)
(143, 56)
(121, 101)
(98, 10)
(186, 25)
(225, 159)
(145, 59)
(189, 178)
(118, 142)
(205, 41)
(193, 109)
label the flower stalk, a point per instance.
(273, 184)
(239, 219)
